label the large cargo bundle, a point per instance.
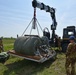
(29, 45)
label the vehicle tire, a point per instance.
(64, 47)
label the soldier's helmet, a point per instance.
(71, 38)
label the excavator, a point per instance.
(34, 47)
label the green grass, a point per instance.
(8, 43)
(18, 66)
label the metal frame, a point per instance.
(42, 59)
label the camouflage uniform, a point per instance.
(70, 59)
(1, 46)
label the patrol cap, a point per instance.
(71, 38)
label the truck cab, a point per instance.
(70, 30)
(67, 32)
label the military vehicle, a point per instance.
(68, 31)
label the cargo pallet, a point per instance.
(35, 58)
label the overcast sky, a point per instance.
(15, 15)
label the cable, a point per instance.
(39, 25)
(27, 27)
(37, 30)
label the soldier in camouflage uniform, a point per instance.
(71, 56)
(1, 45)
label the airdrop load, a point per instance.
(33, 48)
(30, 45)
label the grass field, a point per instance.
(18, 66)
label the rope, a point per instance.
(35, 21)
(27, 27)
(38, 30)
(39, 25)
(31, 31)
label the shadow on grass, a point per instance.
(60, 52)
(26, 67)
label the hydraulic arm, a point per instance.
(49, 9)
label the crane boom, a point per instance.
(42, 6)
(49, 9)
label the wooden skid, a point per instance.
(39, 59)
(22, 55)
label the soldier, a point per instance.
(71, 56)
(1, 45)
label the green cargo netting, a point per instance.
(28, 45)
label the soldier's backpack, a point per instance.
(3, 57)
